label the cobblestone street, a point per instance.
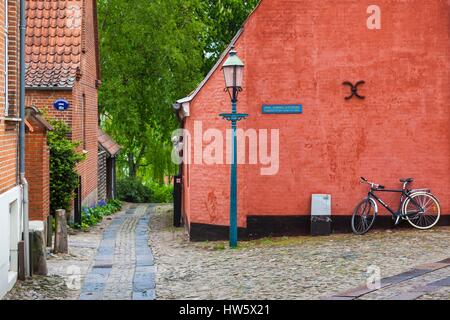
(123, 267)
(64, 269)
(114, 261)
(293, 268)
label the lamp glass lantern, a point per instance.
(233, 71)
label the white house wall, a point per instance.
(10, 235)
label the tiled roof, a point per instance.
(53, 42)
(108, 143)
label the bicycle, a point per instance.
(419, 207)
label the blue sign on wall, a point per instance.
(61, 105)
(282, 109)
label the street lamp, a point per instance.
(233, 71)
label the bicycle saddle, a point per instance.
(408, 180)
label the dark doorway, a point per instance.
(177, 200)
(111, 178)
(77, 204)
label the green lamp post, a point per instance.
(233, 70)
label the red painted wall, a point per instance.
(301, 52)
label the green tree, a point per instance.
(63, 161)
(151, 54)
(223, 19)
(154, 52)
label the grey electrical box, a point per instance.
(321, 205)
(321, 215)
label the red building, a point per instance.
(301, 52)
(62, 59)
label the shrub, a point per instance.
(63, 161)
(161, 193)
(92, 216)
(133, 190)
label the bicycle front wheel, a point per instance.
(364, 216)
(422, 210)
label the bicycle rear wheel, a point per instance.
(422, 210)
(364, 216)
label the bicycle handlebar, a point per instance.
(372, 184)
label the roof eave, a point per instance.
(49, 88)
(34, 112)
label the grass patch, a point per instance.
(258, 243)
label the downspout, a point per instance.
(23, 180)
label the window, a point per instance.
(6, 43)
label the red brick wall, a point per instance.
(38, 173)
(13, 45)
(44, 99)
(8, 130)
(87, 85)
(301, 52)
(84, 123)
(8, 157)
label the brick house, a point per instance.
(302, 55)
(10, 189)
(62, 57)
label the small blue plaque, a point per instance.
(61, 105)
(282, 109)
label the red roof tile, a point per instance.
(53, 42)
(108, 143)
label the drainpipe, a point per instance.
(23, 180)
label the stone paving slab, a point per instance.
(405, 276)
(94, 296)
(144, 282)
(356, 292)
(408, 296)
(144, 296)
(103, 263)
(409, 285)
(441, 283)
(144, 261)
(433, 266)
(124, 267)
(336, 298)
(445, 261)
(95, 278)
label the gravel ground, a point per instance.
(285, 268)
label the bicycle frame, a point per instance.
(405, 194)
